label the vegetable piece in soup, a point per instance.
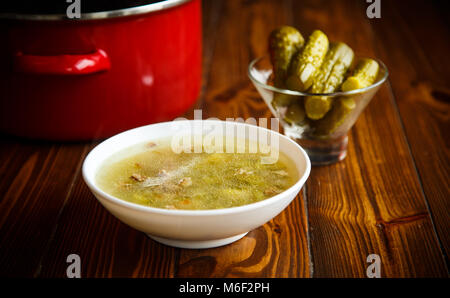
(155, 176)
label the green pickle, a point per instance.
(328, 79)
(306, 62)
(363, 76)
(295, 113)
(284, 42)
(283, 100)
(342, 107)
(316, 67)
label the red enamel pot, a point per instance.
(106, 72)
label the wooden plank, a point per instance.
(420, 76)
(107, 247)
(279, 248)
(35, 179)
(360, 206)
(242, 36)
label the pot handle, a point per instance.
(63, 64)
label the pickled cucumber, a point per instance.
(363, 76)
(295, 113)
(328, 79)
(284, 42)
(342, 107)
(283, 100)
(316, 67)
(307, 61)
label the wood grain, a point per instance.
(107, 247)
(351, 204)
(35, 180)
(277, 249)
(420, 76)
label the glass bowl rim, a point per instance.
(298, 93)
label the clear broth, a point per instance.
(151, 174)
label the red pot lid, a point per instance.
(90, 9)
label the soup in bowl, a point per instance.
(196, 183)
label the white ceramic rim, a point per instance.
(298, 93)
(207, 212)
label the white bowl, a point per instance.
(192, 228)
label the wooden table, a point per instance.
(389, 197)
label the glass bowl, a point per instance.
(325, 140)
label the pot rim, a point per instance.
(137, 10)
